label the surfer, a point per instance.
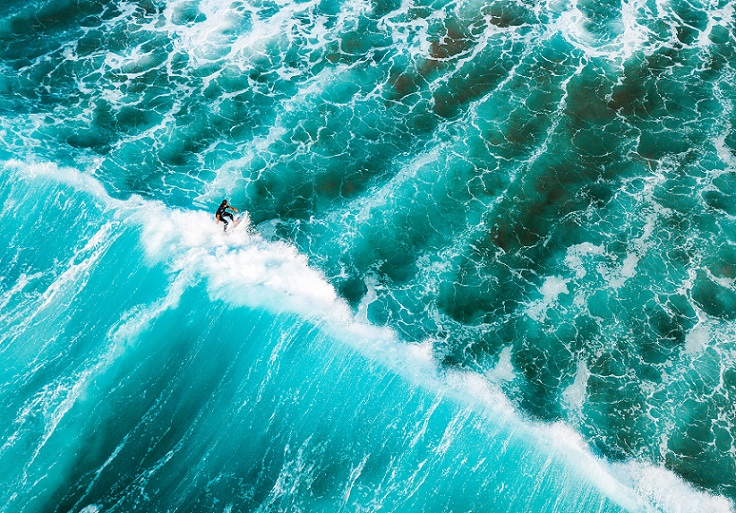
(222, 214)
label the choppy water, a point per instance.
(491, 263)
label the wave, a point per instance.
(216, 356)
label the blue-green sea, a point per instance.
(486, 259)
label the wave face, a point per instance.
(540, 193)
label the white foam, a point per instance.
(697, 339)
(619, 275)
(239, 266)
(210, 38)
(138, 319)
(723, 17)
(576, 254)
(630, 32)
(635, 33)
(570, 444)
(574, 395)
(633, 485)
(218, 34)
(368, 298)
(550, 290)
(626, 271)
(504, 369)
(670, 493)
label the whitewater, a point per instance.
(486, 264)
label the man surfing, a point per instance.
(222, 214)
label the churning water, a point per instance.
(489, 262)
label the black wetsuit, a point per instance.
(223, 214)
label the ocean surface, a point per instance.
(486, 263)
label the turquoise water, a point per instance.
(488, 263)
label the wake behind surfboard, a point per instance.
(238, 224)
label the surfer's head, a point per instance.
(224, 202)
